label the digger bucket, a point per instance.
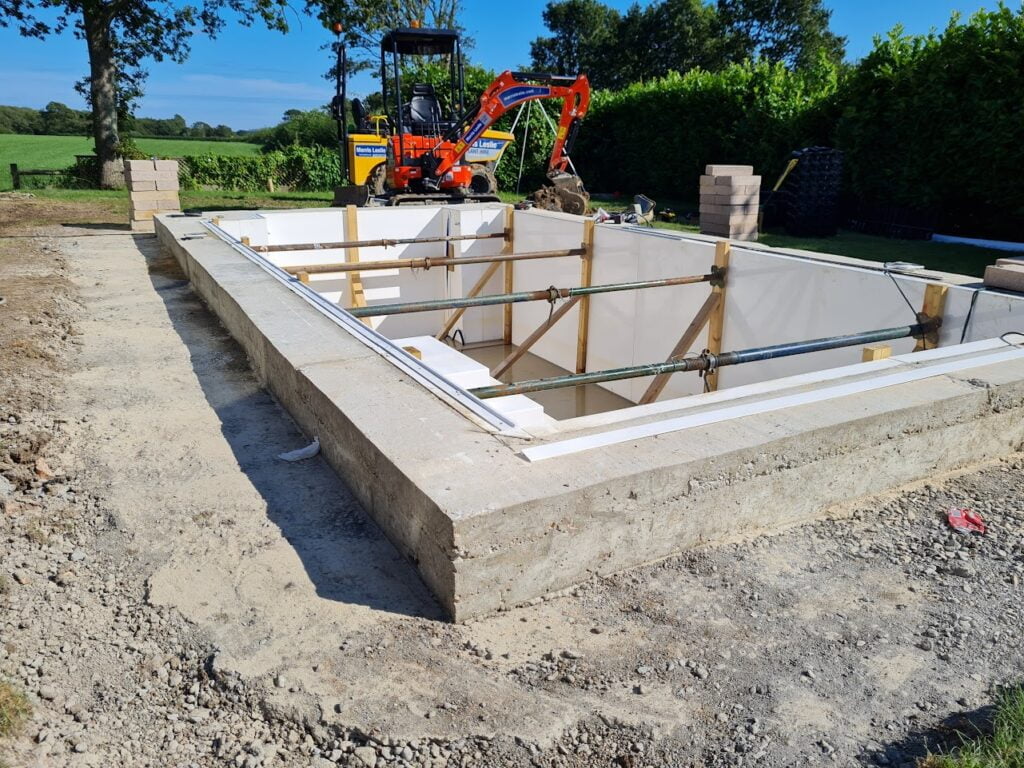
(562, 192)
(352, 194)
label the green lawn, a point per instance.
(944, 257)
(195, 199)
(54, 152)
(1002, 747)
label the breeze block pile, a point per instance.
(153, 188)
(730, 196)
(1006, 274)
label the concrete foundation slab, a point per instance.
(488, 529)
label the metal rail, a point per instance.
(420, 372)
(551, 294)
(383, 242)
(429, 261)
(705, 362)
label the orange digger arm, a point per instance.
(510, 89)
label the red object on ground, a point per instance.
(965, 520)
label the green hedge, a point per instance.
(656, 137)
(309, 169)
(931, 123)
(937, 123)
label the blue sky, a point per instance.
(248, 77)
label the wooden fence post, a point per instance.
(717, 320)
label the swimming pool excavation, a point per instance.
(708, 362)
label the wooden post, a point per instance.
(356, 297)
(479, 286)
(717, 320)
(683, 346)
(876, 352)
(934, 308)
(586, 272)
(15, 176)
(449, 249)
(509, 267)
(304, 278)
(245, 241)
(530, 340)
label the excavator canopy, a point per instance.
(420, 42)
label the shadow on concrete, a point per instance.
(951, 732)
(344, 553)
(110, 226)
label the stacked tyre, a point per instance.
(811, 194)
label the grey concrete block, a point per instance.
(140, 197)
(1009, 278)
(742, 199)
(725, 191)
(730, 182)
(732, 219)
(729, 170)
(728, 209)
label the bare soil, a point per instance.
(174, 595)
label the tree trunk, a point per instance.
(103, 92)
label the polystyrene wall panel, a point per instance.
(480, 323)
(775, 299)
(536, 231)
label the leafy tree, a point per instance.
(61, 120)
(200, 130)
(21, 120)
(671, 36)
(120, 36)
(305, 129)
(437, 14)
(582, 40)
(652, 40)
(790, 31)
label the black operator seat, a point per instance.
(424, 110)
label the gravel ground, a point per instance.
(864, 640)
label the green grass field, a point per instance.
(54, 152)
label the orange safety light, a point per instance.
(416, 23)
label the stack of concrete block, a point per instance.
(153, 187)
(730, 196)
(1007, 274)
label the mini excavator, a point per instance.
(418, 154)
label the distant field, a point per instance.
(46, 152)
